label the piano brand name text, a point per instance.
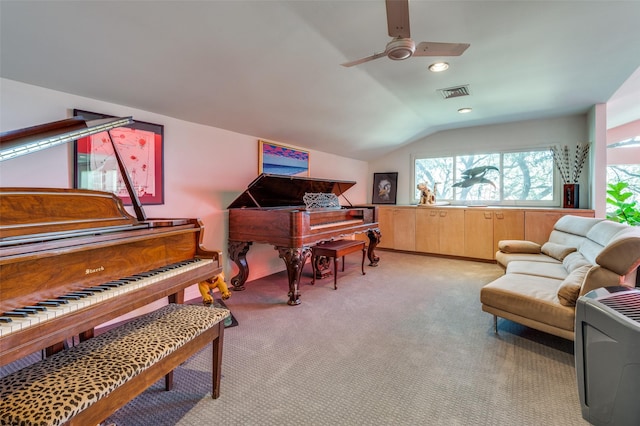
(93, 270)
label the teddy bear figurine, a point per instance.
(207, 285)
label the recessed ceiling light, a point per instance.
(438, 67)
(465, 110)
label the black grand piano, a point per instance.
(272, 211)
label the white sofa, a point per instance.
(542, 282)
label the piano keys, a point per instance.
(73, 259)
(271, 211)
(50, 309)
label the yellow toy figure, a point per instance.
(206, 286)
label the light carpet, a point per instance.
(406, 344)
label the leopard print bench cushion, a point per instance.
(55, 389)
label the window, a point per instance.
(509, 178)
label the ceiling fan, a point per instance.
(402, 47)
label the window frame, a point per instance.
(555, 202)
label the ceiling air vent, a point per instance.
(455, 92)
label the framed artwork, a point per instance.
(385, 188)
(282, 160)
(141, 149)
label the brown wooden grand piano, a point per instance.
(271, 211)
(73, 259)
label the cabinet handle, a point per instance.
(443, 213)
(500, 215)
(487, 215)
(433, 213)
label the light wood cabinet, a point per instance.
(465, 232)
(507, 225)
(478, 242)
(451, 231)
(427, 230)
(404, 229)
(440, 231)
(385, 223)
(397, 228)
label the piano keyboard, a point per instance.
(29, 316)
(341, 223)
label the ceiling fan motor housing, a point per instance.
(400, 48)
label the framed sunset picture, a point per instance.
(282, 160)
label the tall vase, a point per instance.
(570, 197)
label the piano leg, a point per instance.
(374, 238)
(294, 259)
(238, 253)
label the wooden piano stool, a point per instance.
(336, 249)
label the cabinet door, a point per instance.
(478, 242)
(451, 228)
(507, 225)
(404, 229)
(427, 230)
(385, 223)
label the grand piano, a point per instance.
(272, 211)
(72, 259)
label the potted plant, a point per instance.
(626, 212)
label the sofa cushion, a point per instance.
(599, 237)
(576, 225)
(540, 269)
(518, 246)
(529, 296)
(557, 251)
(569, 290)
(505, 259)
(603, 232)
(574, 260)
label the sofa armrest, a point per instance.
(621, 255)
(598, 277)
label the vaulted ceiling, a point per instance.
(271, 69)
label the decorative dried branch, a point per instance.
(582, 151)
(560, 162)
(561, 159)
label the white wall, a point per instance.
(205, 168)
(524, 134)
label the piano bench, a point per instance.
(336, 249)
(87, 383)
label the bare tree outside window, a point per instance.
(523, 178)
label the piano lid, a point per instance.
(269, 190)
(31, 139)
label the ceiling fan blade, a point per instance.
(398, 18)
(427, 48)
(363, 60)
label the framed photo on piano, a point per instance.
(385, 188)
(140, 145)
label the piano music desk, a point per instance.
(335, 250)
(100, 375)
